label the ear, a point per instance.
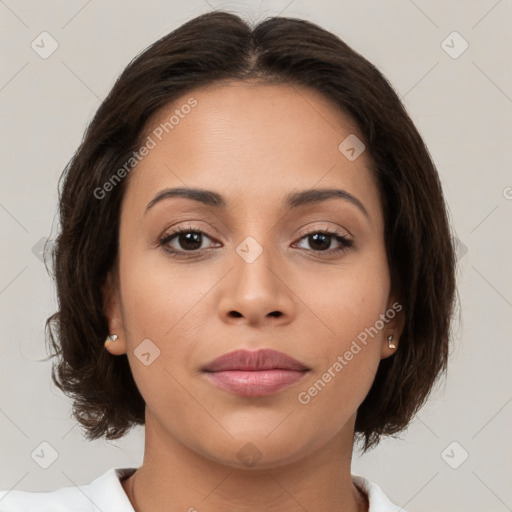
(394, 326)
(112, 309)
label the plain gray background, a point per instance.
(461, 102)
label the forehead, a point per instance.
(251, 141)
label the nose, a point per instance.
(255, 291)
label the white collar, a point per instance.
(106, 494)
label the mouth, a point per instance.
(254, 374)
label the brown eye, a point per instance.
(321, 241)
(190, 241)
(183, 240)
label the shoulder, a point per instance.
(103, 493)
(378, 501)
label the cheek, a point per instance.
(349, 298)
(348, 354)
(347, 327)
(166, 303)
(159, 318)
(159, 295)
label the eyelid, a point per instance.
(327, 229)
(174, 232)
(189, 226)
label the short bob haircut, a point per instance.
(221, 47)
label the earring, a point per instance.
(111, 337)
(390, 342)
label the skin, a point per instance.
(253, 144)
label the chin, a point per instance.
(255, 452)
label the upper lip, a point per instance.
(246, 360)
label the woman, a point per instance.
(254, 262)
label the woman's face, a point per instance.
(252, 271)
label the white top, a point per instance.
(106, 494)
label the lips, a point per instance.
(245, 360)
(254, 374)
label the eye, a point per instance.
(188, 241)
(183, 240)
(322, 240)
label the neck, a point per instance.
(175, 477)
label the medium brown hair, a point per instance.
(221, 46)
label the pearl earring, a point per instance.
(390, 342)
(111, 337)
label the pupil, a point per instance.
(190, 240)
(316, 237)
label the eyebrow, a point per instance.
(291, 200)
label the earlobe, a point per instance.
(389, 346)
(115, 342)
(393, 330)
(114, 345)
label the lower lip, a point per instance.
(255, 383)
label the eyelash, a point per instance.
(344, 241)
